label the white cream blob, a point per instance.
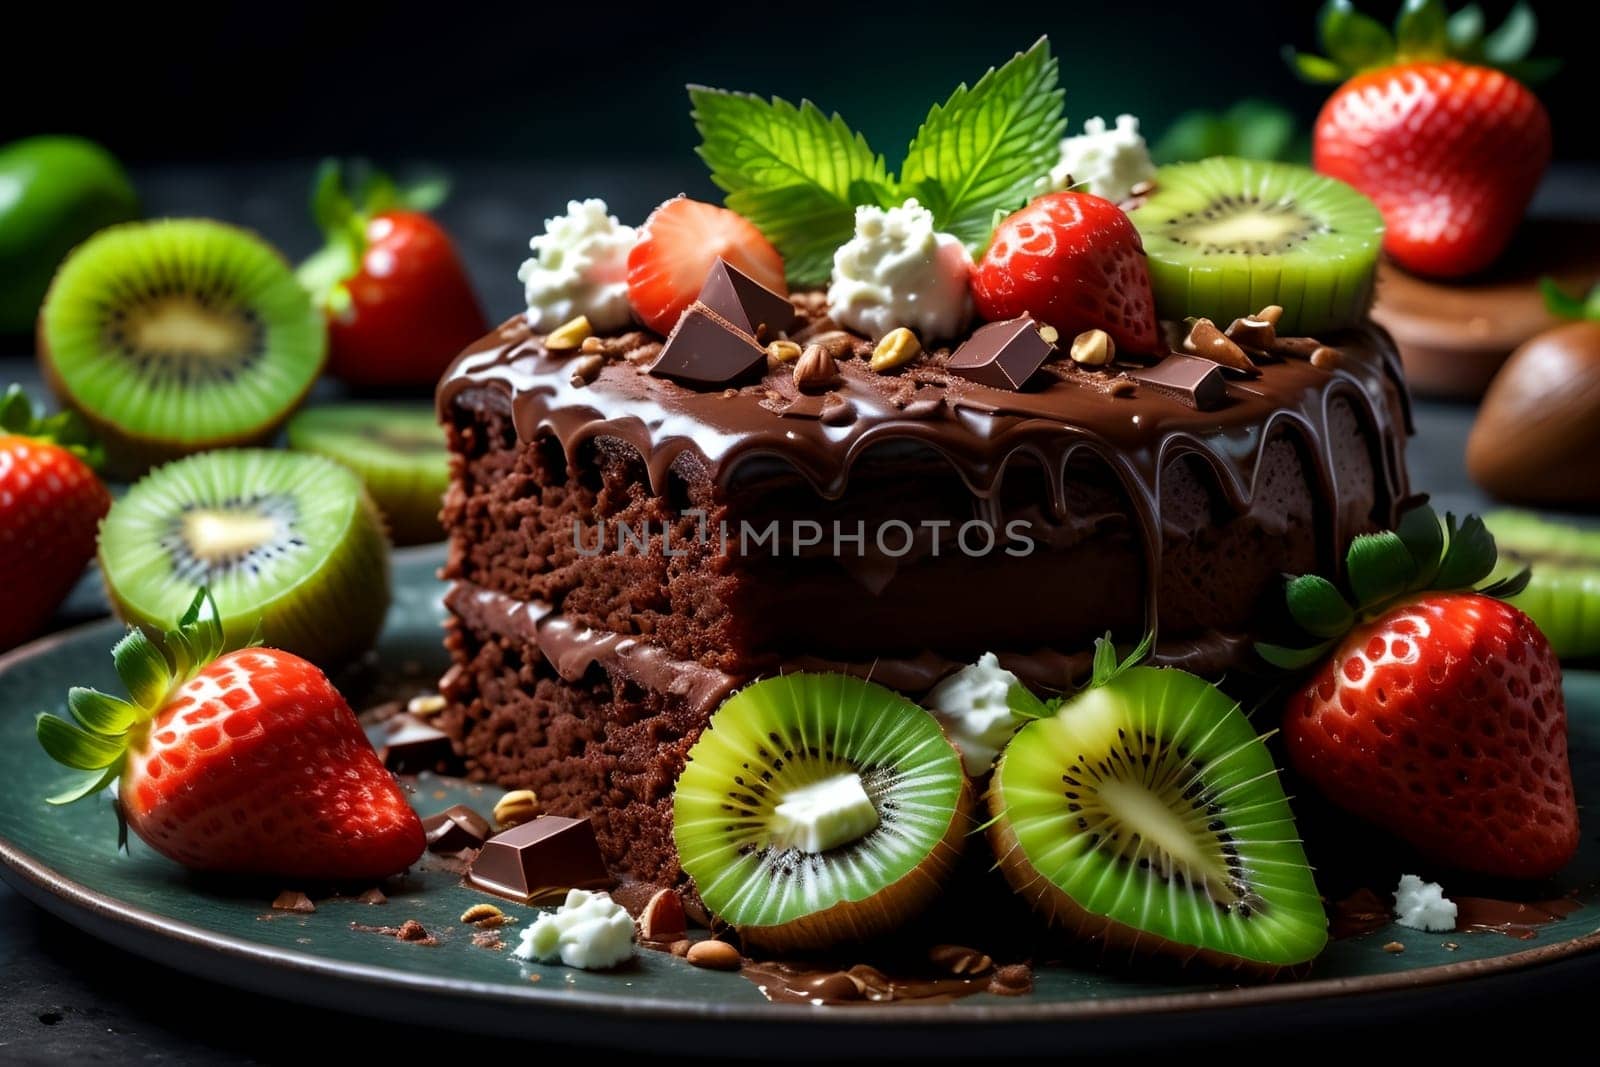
(896, 271)
(579, 267)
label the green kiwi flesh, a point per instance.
(397, 449)
(1147, 814)
(1227, 237)
(177, 336)
(1563, 594)
(291, 540)
(784, 734)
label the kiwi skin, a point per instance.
(887, 910)
(129, 455)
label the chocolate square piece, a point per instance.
(1002, 355)
(706, 349)
(411, 745)
(540, 860)
(455, 828)
(744, 301)
(1189, 380)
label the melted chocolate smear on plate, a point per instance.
(1365, 911)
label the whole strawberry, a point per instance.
(51, 505)
(1073, 261)
(1449, 147)
(247, 762)
(1436, 711)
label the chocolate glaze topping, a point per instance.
(978, 429)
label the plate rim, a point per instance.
(73, 902)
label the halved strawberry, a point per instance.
(679, 244)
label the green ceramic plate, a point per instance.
(65, 860)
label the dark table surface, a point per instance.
(66, 997)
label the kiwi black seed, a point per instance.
(291, 540)
(397, 449)
(1146, 814)
(177, 336)
(777, 738)
(1227, 237)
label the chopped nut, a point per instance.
(1394, 948)
(569, 335)
(1325, 358)
(1049, 334)
(729, 394)
(713, 955)
(1144, 188)
(1093, 348)
(663, 918)
(587, 369)
(1206, 340)
(372, 896)
(1297, 346)
(1252, 333)
(898, 347)
(515, 808)
(411, 930)
(427, 704)
(591, 345)
(958, 959)
(815, 370)
(293, 900)
(1272, 314)
(837, 342)
(479, 912)
(680, 948)
(783, 351)
(1124, 386)
(1451, 946)
(1014, 979)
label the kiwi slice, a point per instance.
(1226, 237)
(1146, 814)
(1563, 594)
(291, 540)
(398, 450)
(817, 809)
(178, 336)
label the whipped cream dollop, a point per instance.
(589, 930)
(1108, 162)
(896, 271)
(1422, 905)
(971, 706)
(579, 267)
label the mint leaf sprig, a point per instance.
(798, 174)
(1563, 304)
(1424, 29)
(1107, 666)
(1384, 568)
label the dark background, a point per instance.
(603, 81)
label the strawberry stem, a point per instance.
(1423, 30)
(65, 429)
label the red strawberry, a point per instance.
(1442, 718)
(51, 505)
(679, 244)
(1074, 261)
(245, 763)
(1448, 147)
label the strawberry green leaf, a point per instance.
(1420, 29)
(1318, 70)
(1513, 39)
(1318, 606)
(75, 747)
(1379, 567)
(984, 148)
(1423, 537)
(1510, 586)
(1352, 39)
(1464, 31)
(1532, 71)
(794, 172)
(143, 669)
(1293, 659)
(89, 783)
(1469, 557)
(100, 713)
(1559, 302)
(65, 429)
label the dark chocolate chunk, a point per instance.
(540, 860)
(744, 301)
(455, 828)
(1189, 380)
(1002, 355)
(706, 349)
(411, 745)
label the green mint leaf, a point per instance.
(1380, 568)
(1318, 70)
(794, 172)
(1469, 557)
(1352, 39)
(1024, 705)
(1423, 537)
(1464, 31)
(100, 713)
(1513, 39)
(1140, 652)
(143, 669)
(985, 147)
(77, 748)
(1420, 28)
(1105, 661)
(1318, 607)
(1292, 659)
(1559, 302)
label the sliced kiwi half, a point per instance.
(398, 450)
(1563, 593)
(817, 809)
(291, 540)
(1227, 237)
(1146, 814)
(177, 336)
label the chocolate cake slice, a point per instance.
(627, 548)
